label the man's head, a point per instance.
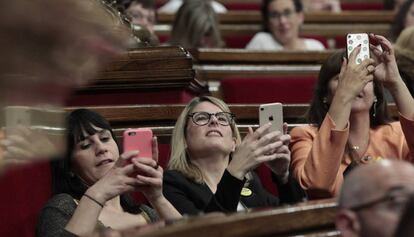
(373, 197)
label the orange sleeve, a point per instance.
(407, 126)
(317, 156)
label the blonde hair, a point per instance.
(194, 20)
(179, 160)
(405, 43)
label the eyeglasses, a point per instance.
(203, 118)
(274, 15)
(396, 198)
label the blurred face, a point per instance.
(362, 102)
(211, 137)
(95, 155)
(409, 19)
(142, 16)
(284, 21)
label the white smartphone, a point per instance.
(272, 113)
(17, 116)
(353, 40)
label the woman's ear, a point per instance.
(233, 149)
(301, 17)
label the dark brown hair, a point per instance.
(318, 109)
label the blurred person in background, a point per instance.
(404, 53)
(172, 6)
(281, 27)
(196, 26)
(403, 18)
(321, 6)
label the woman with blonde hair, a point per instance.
(196, 26)
(210, 165)
(404, 53)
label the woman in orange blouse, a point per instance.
(350, 123)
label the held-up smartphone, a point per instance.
(353, 40)
(17, 116)
(272, 113)
(138, 139)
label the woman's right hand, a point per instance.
(117, 180)
(353, 77)
(257, 147)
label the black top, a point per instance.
(189, 197)
(56, 214)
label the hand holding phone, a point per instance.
(272, 113)
(355, 40)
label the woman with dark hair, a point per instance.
(349, 121)
(403, 19)
(281, 25)
(89, 185)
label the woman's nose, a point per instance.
(213, 120)
(99, 148)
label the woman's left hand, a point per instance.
(280, 165)
(386, 70)
(149, 174)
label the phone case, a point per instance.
(353, 40)
(272, 113)
(17, 116)
(138, 139)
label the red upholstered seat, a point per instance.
(362, 6)
(243, 6)
(298, 89)
(237, 41)
(170, 96)
(24, 192)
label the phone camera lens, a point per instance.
(131, 133)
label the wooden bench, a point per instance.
(161, 118)
(315, 218)
(255, 17)
(242, 25)
(244, 76)
(145, 76)
(255, 4)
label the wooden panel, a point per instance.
(146, 68)
(326, 30)
(216, 64)
(286, 221)
(161, 118)
(259, 1)
(344, 17)
(233, 56)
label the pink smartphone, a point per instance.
(138, 139)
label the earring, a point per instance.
(324, 100)
(374, 113)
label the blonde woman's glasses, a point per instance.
(203, 118)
